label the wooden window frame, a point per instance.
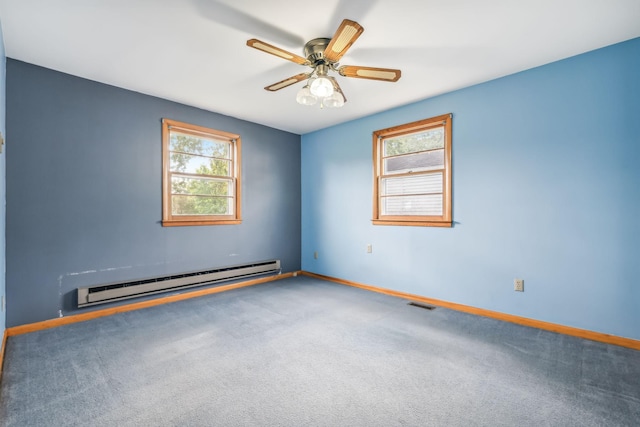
(444, 220)
(170, 220)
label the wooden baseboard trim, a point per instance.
(552, 327)
(2, 349)
(539, 324)
(75, 318)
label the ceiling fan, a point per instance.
(322, 55)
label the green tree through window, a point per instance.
(201, 175)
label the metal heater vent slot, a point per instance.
(425, 306)
(92, 295)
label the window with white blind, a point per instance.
(412, 174)
(201, 175)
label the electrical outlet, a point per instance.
(518, 285)
(315, 255)
(369, 248)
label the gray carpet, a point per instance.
(305, 352)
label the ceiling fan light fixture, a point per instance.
(305, 97)
(322, 55)
(335, 100)
(322, 87)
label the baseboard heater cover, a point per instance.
(99, 294)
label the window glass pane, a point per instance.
(412, 173)
(424, 161)
(199, 145)
(201, 175)
(412, 205)
(421, 141)
(416, 184)
(201, 186)
(188, 163)
(201, 205)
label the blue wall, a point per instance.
(84, 192)
(3, 169)
(546, 187)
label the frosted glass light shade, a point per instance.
(322, 87)
(305, 97)
(336, 100)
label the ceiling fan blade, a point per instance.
(347, 33)
(384, 74)
(288, 82)
(273, 50)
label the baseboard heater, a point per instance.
(100, 294)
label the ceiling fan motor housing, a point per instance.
(314, 50)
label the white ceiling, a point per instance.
(194, 51)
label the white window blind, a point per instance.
(412, 168)
(418, 159)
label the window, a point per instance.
(412, 174)
(200, 175)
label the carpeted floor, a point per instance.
(305, 352)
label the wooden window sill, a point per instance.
(178, 223)
(413, 223)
